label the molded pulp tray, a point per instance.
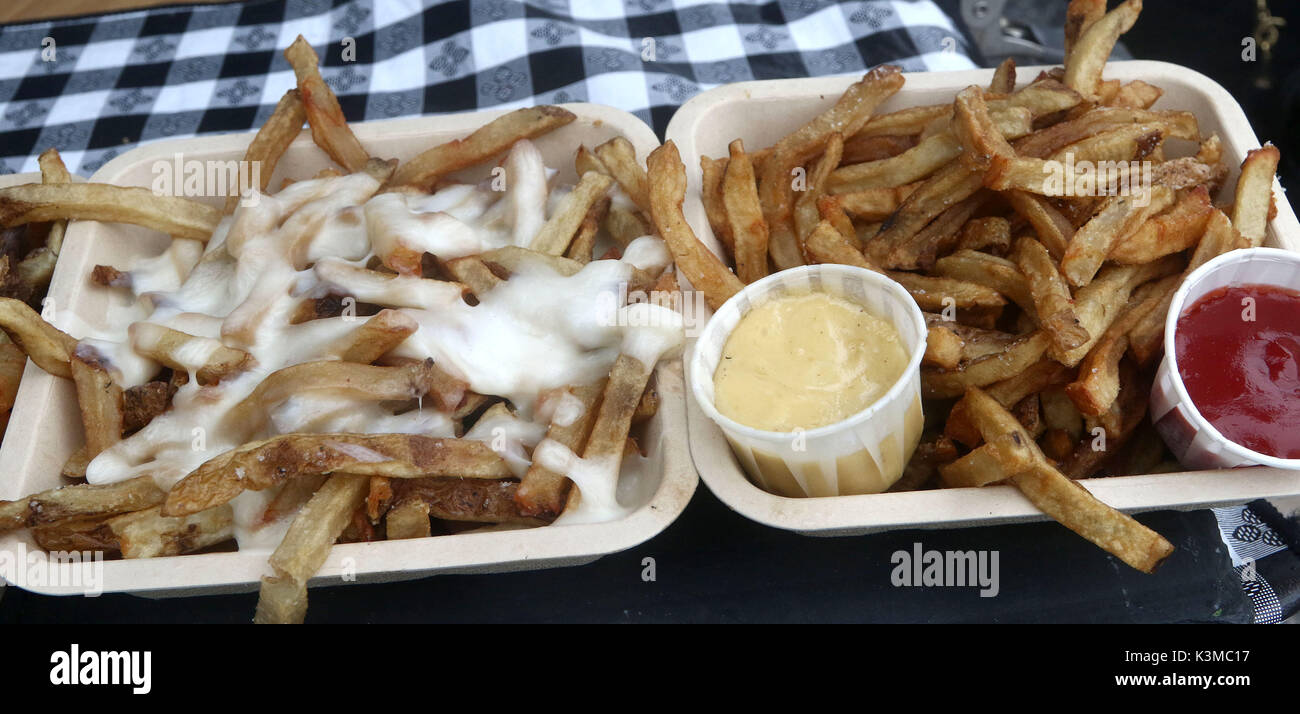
(761, 113)
(45, 427)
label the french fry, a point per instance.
(584, 243)
(1119, 217)
(1051, 295)
(1089, 52)
(992, 234)
(80, 501)
(1004, 77)
(176, 216)
(208, 358)
(712, 175)
(384, 331)
(453, 499)
(936, 384)
(48, 346)
(667, 191)
(745, 222)
(99, 399)
(259, 465)
(408, 519)
(283, 597)
(1079, 16)
(272, 140)
(492, 139)
(943, 348)
(1173, 231)
(1054, 230)
(558, 232)
(36, 269)
(949, 185)
(861, 149)
(329, 128)
(990, 271)
(806, 214)
(1254, 197)
(619, 158)
(148, 534)
(542, 492)
(625, 226)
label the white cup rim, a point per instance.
(1171, 325)
(730, 425)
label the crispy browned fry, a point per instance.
(712, 174)
(1046, 142)
(921, 250)
(934, 294)
(1119, 217)
(453, 499)
(990, 271)
(618, 403)
(493, 138)
(1100, 302)
(34, 202)
(904, 122)
(148, 534)
(1079, 16)
(211, 360)
(36, 269)
(12, 363)
(1126, 142)
(829, 208)
(943, 348)
(912, 165)
(48, 346)
(991, 233)
(648, 406)
(1053, 304)
(586, 160)
(933, 452)
(1173, 231)
(700, 266)
(1037, 377)
(384, 330)
(625, 226)
(619, 158)
(542, 492)
(744, 215)
(408, 519)
(1219, 237)
(849, 114)
(80, 501)
(827, 245)
(362, 381)
(1254, 198)
(874, 204)
(558, 232)
(938, 384)
(949, 185)
(584, 243)
(1146, 336)
(1088, 54)
(99, 399)
(1136, 95)
(473, 273)
(283, 126)
(806, 214)
(329, 128)
(862, 148)
(985, 465)
(1004, 77)
(261, 464)
(283, 597)
(974, 128)
(1054, 230)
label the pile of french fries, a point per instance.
(1046, 305)
(335, 487)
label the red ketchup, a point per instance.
(1243, 374)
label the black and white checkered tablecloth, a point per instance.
(95, 87)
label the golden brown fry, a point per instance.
(493, 138)
(179, 351)
(36, 269)
(939, 384)
(1054, 230)
(329, 128)
(990, 271)
(700, 266)
(1053, 304)
(712, 175)
(943, 348)
(1118, 218)
(473, 273)
(1173, 231)
(974, 128)
(914, 164)
(542, 492)
(265, 150)
(408, 519)
(744, 214)
(1254, 197)
(283, 598)
(12, 363)
(261, 464)
(806, 214)
(619, 158)
(584, 243)
(149, 534)
(1088, 54)
(991, 233)
(1004, 77)
(466, 500)
(384, 330)
(625, 226)
(176, 216)
(558, 232)
(940, 192)
(1079, 16)
(48, 346)
(78, 501)
(861, 149)
(99, 399)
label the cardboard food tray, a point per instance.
(761, 113)
(45, 427)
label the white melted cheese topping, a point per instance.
(535, 333)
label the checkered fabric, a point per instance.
(94, 87)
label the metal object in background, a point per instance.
(1028, 30)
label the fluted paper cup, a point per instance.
(1191, 437)
(864, 453)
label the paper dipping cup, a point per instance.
(1194, 441)
(864, 453)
